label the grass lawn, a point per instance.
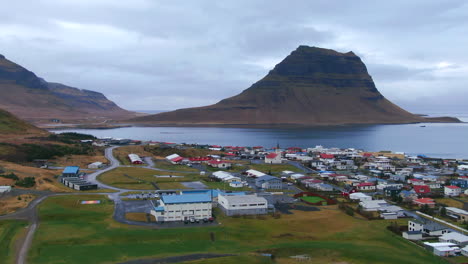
(73, 233)
(224, 186)
(312, 199)
(165, 165)
(10, 230)
(275, 169)
(450, 202)
(141, 178)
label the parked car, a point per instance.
(192, 220)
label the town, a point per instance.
(169, 185)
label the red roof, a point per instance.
(271, 155)
(258, 147)
(177, 159)
(216, 146)
(416, 180)
(422, 189)
(327, 156)
(230, 154)
(452, 187)
(367, 154)
(424, 201)
(200, 159)
(365, 184)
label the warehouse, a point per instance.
(95, 165)
(135, 159)
(242, 204)
(225, 176)
(268, 182)
(183, 207)
(71, 171)
(78, 184)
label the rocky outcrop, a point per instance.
(311, 86)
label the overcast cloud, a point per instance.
(164, 55)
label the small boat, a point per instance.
(422, 126)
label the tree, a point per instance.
(443, 211)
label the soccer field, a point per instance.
(312, 199)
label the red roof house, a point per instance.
(422, 189)
(424, 201)
(327, 156)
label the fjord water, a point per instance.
(435, 140)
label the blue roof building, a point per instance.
(187, 198)
(71, 171)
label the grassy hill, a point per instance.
(10, 124)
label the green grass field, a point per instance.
(10, 230)
(312, 199)
(165, 165)
(141, 178)
(73, 233)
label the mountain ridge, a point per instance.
(311, 86)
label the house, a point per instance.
(242, 204)
(135, 159)
(182, 207)
(359, 196)
(71, 171)
(225, 176)
(459, 214)
(174, 158)
(464, 251)
(322, 187)
(442, 249)
(220, 164)
(254, 173)
(462, 183)
(412, 235)
(95, 165)
(454, 237)
(273, 158)
(236, 184)
(391, 212)
(452, 190)
(392, 191)
(428, 227)
(424, 201)
(366, 186)
(422, 189)
(374, 205)
(296, 176)
(408, 196)
(268, 182)
(416, 182)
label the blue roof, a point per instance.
(71, 169)
(159, 209)
(189, 198)
(236, 182)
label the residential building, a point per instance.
(428, 227)
(322, 187)
(183, 207)
(462, 183)
(424, 201)
(220, 164)
(408, 196)
(242, 204)
(71, 171)
(412, 235)
(422, 189)
(454, 237)
(273, 158)
(254, 173)
(392, 191)
(269, 182)
(366, 186)
(359, 196)
(452, 190)
(459, 214)
(374, 205)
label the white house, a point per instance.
(242, 204)
(273, 158)
(454, 237)
(427, 227)
(360, 197)
(412, 235)
(452, 190)
(220, 164)
(183, 207)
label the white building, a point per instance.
(236, 184)
(412, 235)
(374, 205)
(360, 197)
(5, 189)
(427, 227)
(452, 190)
(242, 204)
(273, 158)
(95, 165)
(183, 207)
(135, 159)
(454, 237)
(254, 173)
(443, 249)
(225, 176)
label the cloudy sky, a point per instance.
(147, 54)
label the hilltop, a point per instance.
(10, 124)
(311, 86)
(34, 99)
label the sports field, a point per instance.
(312, 199)
(73, 233)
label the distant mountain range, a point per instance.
(34, 99)
(311, 86)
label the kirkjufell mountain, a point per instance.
(311, 86)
